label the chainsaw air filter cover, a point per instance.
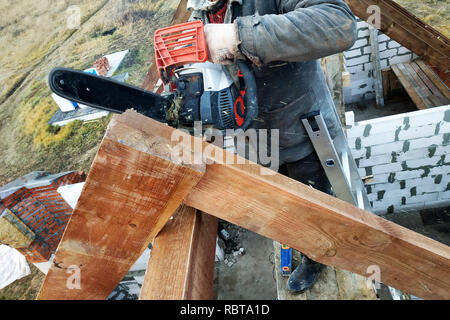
(209, 94)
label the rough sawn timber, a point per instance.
(181, 265)
(131, 192)
(188, 242)
(326, 229)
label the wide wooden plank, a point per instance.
(189, 239)
(442, 101)
(421, 86)
(181, 265)
(408, 30)
(434, 78)
(131, 192)
(327, 229)
(406, 82)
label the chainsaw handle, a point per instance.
(251, 95)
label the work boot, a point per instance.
(305, 275)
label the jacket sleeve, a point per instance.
(304, 30)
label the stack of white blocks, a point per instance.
(358, 61)
(408, 156)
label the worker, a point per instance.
(283, 39)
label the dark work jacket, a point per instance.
(284, 39)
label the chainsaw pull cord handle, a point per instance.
(251, 96)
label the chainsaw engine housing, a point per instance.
(208, 94)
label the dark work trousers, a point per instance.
(309, 171)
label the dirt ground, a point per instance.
(249, 276)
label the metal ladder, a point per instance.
(337, 161)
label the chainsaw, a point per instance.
(194, 89)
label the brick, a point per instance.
(367, 50)
(426, 142)
(423, 198)
(359, 153)
(352, 53)
(382, 46)
(434, 118)
(412, 155)
(355, 69)
(376, 160)
(388, 53)
(377, 139)
(362, 25)
(368, 67)
(411, 183)
(382, 38)
(440, 170)
(423, 162)
(424, 188)
(387, 168)
(387, 148)
(403, 50)
(400, 59)
(417, 132)
(393, 44)
(410, 208)
(363, 33)
(357, 61)
(386, 187)
(444, 195)
(360, 43)
(381, 178)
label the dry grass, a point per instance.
(26, 288)
(434, 12)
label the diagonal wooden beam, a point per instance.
(187, 244)
(411, 32)
(181, 265)
(327, 229)
(131, 192)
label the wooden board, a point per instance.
(408, 83)
(434, 78)
(131, 192)
(326, 229)
(436, 94)
(405, 28)
(421, 85)
(375, 57)
(181, 265)
(187, 244)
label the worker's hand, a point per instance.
(222, 41)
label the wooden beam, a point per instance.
(408, 30)
(186, 246)
(131, 192)
(326, 229)
(375, 54)
(181, 265)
